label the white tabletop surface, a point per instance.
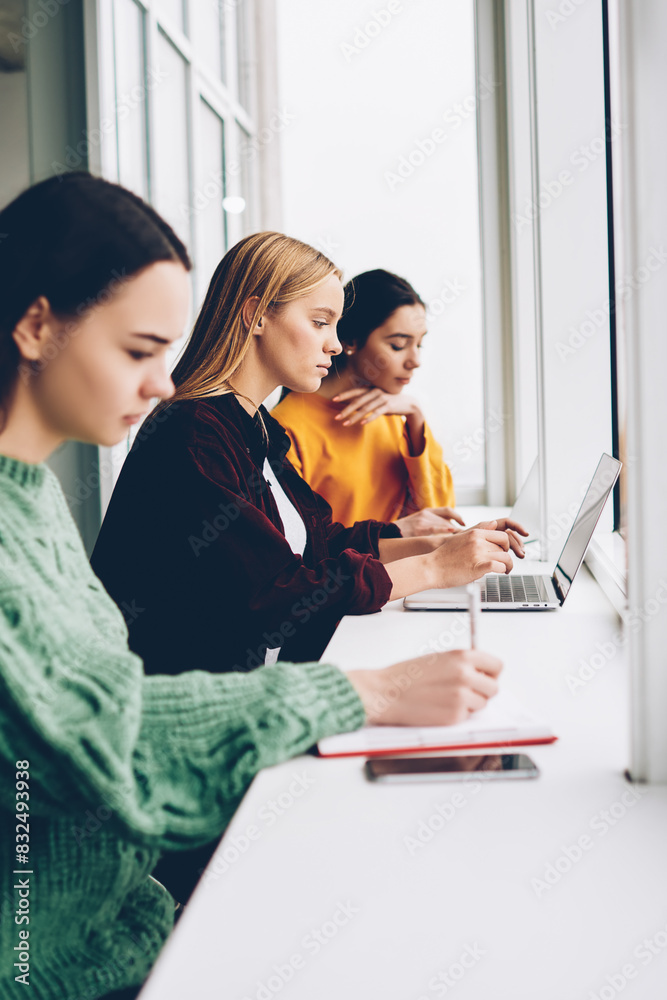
(552, 889)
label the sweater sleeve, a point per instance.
(364, 536)
(430, 480)
(168, 757)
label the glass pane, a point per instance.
(244, 54)
(131, 95)
(207, 33)
(170, 154)
(379, 170)
(15, 148)
(173, 11)
(210, 192)
(246, 157)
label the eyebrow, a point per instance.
(410, 336)
(153, 337)
(325, 309)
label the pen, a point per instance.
(474, 607)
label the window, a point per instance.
(170, 149)
(178, 118)
(558, 207)
(619, 285)
(211, 228)
(129, 78)
(379, 167)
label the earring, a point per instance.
(348, 350)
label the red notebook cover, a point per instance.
(504, 722)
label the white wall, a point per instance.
(564, 215)
(364, 96)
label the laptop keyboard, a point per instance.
(498, 589)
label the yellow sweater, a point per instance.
(363, 472)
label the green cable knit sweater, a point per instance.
(120, 765)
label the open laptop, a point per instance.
(531, 592)
(526, 509)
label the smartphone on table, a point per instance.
(484, 767)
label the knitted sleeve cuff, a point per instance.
(197, 700)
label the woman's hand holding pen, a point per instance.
(512, 528)
(438, 689)
(469, 555)
(453, 560)
(430, 521)
(514, 531)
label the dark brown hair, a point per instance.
(70, 238)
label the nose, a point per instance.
(412, 358)
(332, 344)
(159, 384)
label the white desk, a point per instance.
(460, 916)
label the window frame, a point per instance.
(202, 85)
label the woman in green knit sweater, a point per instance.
(102, 767)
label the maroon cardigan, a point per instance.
(192, 546)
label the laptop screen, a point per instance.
(526, 509)
(582, 530)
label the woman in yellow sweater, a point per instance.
(392, 468)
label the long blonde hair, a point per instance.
(276, 269)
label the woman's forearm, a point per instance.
(408, 576)
(391, 549)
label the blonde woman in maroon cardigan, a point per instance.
(210, 523)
